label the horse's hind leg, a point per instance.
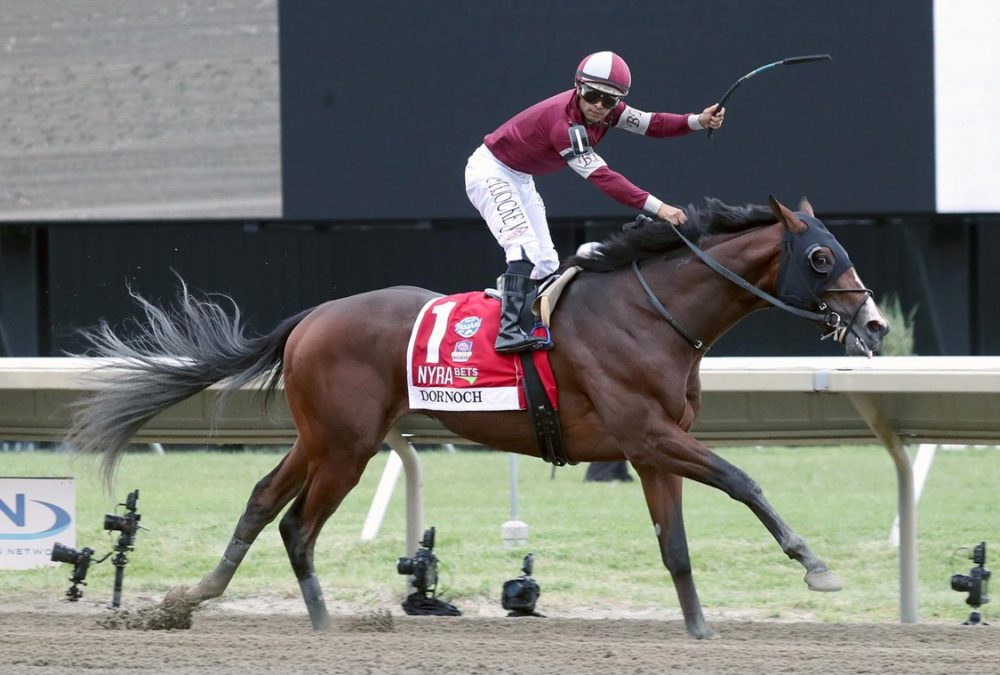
(328, 483)
(269, 496)
(663, 497)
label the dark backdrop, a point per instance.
(383, 101)
(273, 270)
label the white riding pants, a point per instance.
(512, 208)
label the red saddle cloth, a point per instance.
(451, 363)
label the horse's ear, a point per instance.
(787, 218)
(805, 207)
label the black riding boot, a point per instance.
(514, 290)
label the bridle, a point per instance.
(796, 291)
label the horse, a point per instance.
(627, 369)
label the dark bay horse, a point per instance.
(628, 379)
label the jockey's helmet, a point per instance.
(605, 71)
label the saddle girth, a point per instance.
(544, 419)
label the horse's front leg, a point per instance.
(663, 497)
(665, 446)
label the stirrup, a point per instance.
(523, 343)
(546, 342)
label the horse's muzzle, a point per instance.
(868, 339)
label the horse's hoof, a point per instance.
(176, 597)
(706, 634)
(824, 581)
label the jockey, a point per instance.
(537, 141)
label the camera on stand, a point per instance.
(422, 568)
(520, 595)
(128, 526)
(80, 560)
(976, 584)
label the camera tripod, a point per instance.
(975, 619)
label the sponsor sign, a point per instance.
(468, 326)
(462, 352)
(34, 514)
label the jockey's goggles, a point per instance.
(592, 96)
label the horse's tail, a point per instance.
(172, 355)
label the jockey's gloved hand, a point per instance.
(672, 214)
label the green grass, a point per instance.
(593, 543)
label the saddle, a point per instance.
(547, 295)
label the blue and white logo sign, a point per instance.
(34, 514)
(468, 326)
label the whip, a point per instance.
(790, 61)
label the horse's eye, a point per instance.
(821, 261)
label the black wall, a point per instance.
(383, 101)
(273, 270)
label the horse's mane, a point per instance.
(657, 238)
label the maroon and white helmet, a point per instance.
(605, 71)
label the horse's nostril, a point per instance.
(877, 329)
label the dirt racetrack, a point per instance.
(42, 638)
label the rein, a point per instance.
(832, 320)
(658, 306)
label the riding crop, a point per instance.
(790, 61)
